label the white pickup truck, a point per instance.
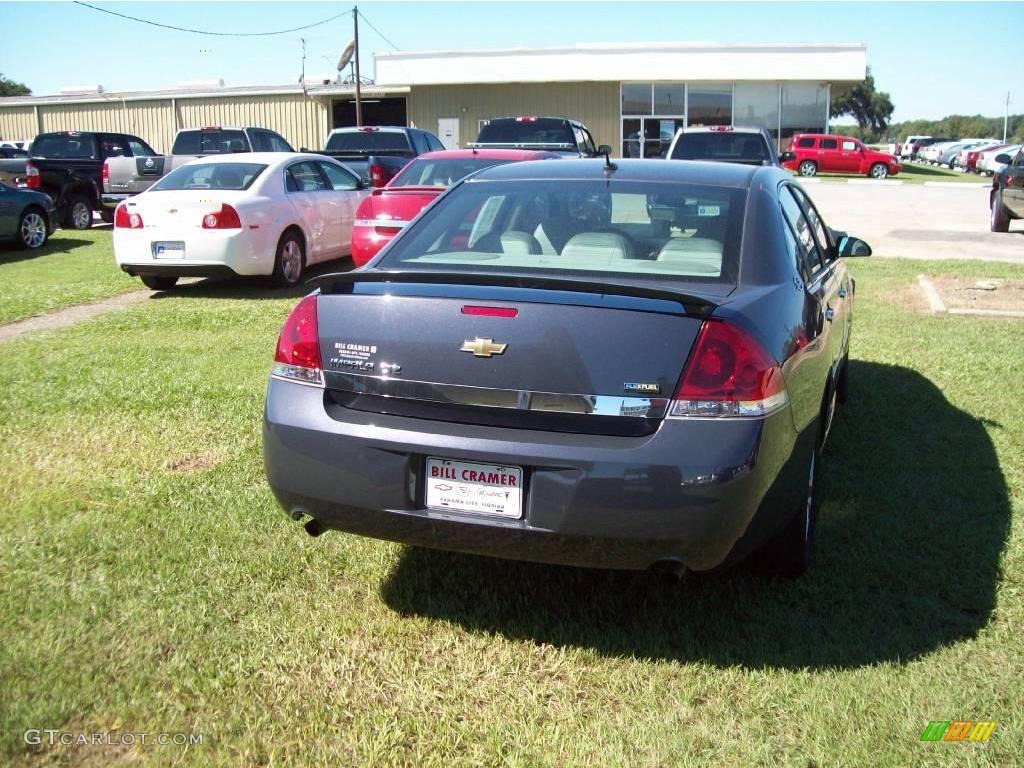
(127, 176)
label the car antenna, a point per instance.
(609, 166)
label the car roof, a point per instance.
(679, 171)
(268, 158)
(722, 129)
(486, 153)
(374, 129)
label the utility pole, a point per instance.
(1006, 115)
(359, 105)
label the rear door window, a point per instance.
(829, 144)
(339, 178)
(305, 177)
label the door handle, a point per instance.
(842, 293)
(829, 314)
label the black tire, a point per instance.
(842, 380)
(32, 229)
(878, 171)
(107, 216)
(78, 212)
(792, 548)
(290, 261)
(1000, 218)
(807, 168)
(158, 282)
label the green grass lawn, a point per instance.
(912, 173)
(72, 268)
(151, 584)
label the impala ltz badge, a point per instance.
(482, 347)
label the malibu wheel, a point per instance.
(32, 229)
(290, 261)
(807, 168)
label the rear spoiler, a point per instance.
(344, 282)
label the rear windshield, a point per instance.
(440, 172)
(577, 227)
(722, 146)
(544, 131)
(362, 141)
(68, 147)
(236, 176)
(209, 142)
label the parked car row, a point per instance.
(969, 155)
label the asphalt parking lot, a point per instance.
(919, 221)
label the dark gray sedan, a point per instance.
(27, 217)
(625, 365)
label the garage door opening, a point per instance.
(376, 111)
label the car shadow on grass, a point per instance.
(252, 287)
(11, 254)
(915, 515)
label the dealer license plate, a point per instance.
(483, 489)
(171, 249)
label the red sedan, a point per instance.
(382, 214)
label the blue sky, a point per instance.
(933, 58)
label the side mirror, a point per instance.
(604, 149)
(853, 246)
(787, 156)
(1004, 159)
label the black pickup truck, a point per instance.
(552, 134)
(68, 166)
(376, 153)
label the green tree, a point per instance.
(870, 108)
(13, 88)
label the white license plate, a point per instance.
(173, 249)
(483, 489)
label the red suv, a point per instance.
(815, 152)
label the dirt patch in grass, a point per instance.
(973, 293)
(194, 462)
(907, 296)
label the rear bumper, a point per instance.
(207, 252)
(110, 201)
(184, 270)
(703, 493)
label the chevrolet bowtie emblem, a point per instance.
(482, 347)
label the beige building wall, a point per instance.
(596, 105)
(17, 123)
(300, 119)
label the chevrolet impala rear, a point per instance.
(575, 362)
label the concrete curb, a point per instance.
(935, 303)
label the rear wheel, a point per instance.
(290, 261)
(842, 383)
(78, 213)
(32, 229)
(158, 282)
(878, 171)
(1000, 219)
(807, 168)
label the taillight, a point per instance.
(297, 357)
(105, 173)
(729, 374)
(32, 180)
(378, 178)
(225, 218)
(125, 220)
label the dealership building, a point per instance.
(631, 96)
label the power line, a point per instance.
(393, 46)
(215, 34)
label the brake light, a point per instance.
(378, 177)
(526, 119)
(472, 309)
(125, 220)
(728, 374)
(225, 218)
(720, 128)
(297, 357)
(32, 180)
(210, 128)
(105, 173)
(369, 129)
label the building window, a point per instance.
(804, 108)
(709, 105)
(651, 114)
(756, 105)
